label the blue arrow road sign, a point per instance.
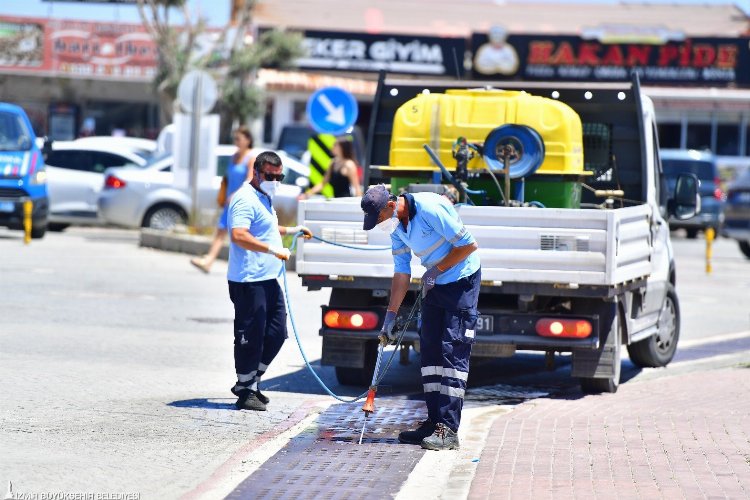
(332, 110)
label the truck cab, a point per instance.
(23, 177)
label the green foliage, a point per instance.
(233, 68)
(274, 49)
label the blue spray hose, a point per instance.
(376, 380)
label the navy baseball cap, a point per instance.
(374, 200)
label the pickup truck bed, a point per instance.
(569, 247)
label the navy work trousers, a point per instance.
(449, 317)
(259, 329)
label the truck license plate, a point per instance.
(485, 324)
(6, 206)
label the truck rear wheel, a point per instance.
(659, 349)
(360, 376)
(606, 359)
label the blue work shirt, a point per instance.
(434, 229)
(253, 210)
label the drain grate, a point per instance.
(325, 461)
(501, 392)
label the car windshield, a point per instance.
(14, 134)
(704, 170)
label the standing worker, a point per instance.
(255, 255)
(238, 172)
(342, 173)
(428, 225)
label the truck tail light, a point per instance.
(564, 328)
(113, 182)
(351, 320)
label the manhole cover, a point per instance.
(325, 461)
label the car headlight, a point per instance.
(39, 177)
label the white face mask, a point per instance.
(269, 187)
(388, 225)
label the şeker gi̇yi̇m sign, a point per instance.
(694, 61)
(417, 55)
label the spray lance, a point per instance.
(369, 406)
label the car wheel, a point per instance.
(164, 217)
(37, 232)
(659, 349)
(745, 248)
(692, 233)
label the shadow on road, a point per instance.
(208, 404)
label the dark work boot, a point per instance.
(250, 401)
(425, 429)
(442, 439)
(263, 398)
(236, 390)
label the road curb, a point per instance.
(191, 244)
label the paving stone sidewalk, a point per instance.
(684, 436)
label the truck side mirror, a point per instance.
(47, 147)
(686, 201)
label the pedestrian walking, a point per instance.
(256, 253)
(427, 225)
(239, 171)
(342, 173)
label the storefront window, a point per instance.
(669, 135)
(728, 140)
(699, 136)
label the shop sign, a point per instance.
(690, 61)
(415, 55)
(77, 48)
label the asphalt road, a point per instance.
(116, 361)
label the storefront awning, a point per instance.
(295, 81)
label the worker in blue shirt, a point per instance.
(255, 262)
(427, 225)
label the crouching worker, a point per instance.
(255, 261)
(427, 225)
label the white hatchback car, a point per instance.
(75, 175)
(145, 196)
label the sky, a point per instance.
(216, 11)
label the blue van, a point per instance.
(22, 173)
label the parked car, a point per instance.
(145, 197)
(737, 212)
(75, 171)
(703, 164)
(142, 147)
(22, 174)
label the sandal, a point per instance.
(200, 264)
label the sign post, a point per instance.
(197, 93)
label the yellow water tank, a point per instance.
(439, 119)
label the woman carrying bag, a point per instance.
(239, 171)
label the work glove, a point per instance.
(387, 335)
(429, 278)
(300, 229)
(280, 253)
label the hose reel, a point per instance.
(516, 151)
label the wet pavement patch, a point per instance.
(325, 461)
